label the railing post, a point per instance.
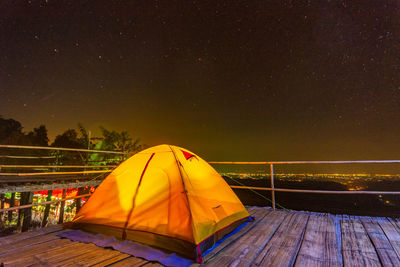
(78, 203)
(62, 207)
(272, 186)
(47, 208)
(12, 204)
(26, 223)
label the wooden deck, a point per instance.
(275, 238)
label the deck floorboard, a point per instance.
(357, 247)
(393, 234)
(319, 246)
(131, 261)
(283, 247)
(112, 260)
(26, 235)
(248, 247)
(258, 214)
(383, 247)
(275, 238)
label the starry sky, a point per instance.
(229, 80)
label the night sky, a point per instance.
(229, 80)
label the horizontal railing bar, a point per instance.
(63, 148)
(303, 162)
(232, 186)
(27, 157)
(65, 184)
(316, 191)
(42, 203)
(309, 174)
(49, 173)
(240, 162)
(56, 166)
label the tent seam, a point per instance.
(134, 197)
(184, 187)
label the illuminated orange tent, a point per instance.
(166, 197)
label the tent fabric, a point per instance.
(167, 197)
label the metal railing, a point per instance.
(5, 166)
(63, 149)
(273, 189)
(271, 164)
(11, 173)
(56, 166)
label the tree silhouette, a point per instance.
(39, 136)
(68, 139)
(11, 132)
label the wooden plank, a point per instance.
(63, 258)
(250, 209)
(100, 256)
(386, 253)
(357, 248)
(94, 255)
(243, 251)
(60, 253)
(112, 260)
(285, 243)
(41, 253)
(396, 221)
(226, 260)
(32, 264)
(76, 254)
(21, 236)
(131, 261)
(392, 232)
(28, 253)
(255, 209)
(365, 242)
(11, 188)
(257, 213)
(26, 243)
(319, 246)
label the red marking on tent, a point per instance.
(188, 155)
(199, 256)
(145, 168)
